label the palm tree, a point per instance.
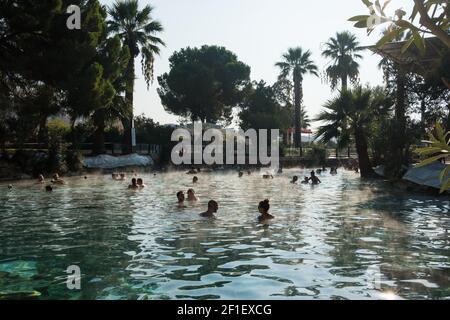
(343, 51)
(138, 30)
(349, 116)
(297, 63)
(305, 121)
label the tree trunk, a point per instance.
(365, 165)
(423, 109)
(400, 115)
(127, 145)
(99, 133)
(297, 106)
(344, 83)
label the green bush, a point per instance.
(317, 155)
(58, 130)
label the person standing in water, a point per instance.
(140, 183)
(314, 179)
(181, 198)
(213, 207)
(191, 195)
(263, 208)
(57, 179)
(133, 185)
(294, 180)
(41, 179)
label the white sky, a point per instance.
(258, 31)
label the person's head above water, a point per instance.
(294, 179)
(10, 186)
(313, 173)
(213, 206)
(140, 182)
(49, 188)
(264, 206)
(191, 195)
(180, 196)
(195, 179)
(134, 182)
(41, 178)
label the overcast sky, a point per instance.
(259, 32)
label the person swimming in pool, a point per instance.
(49, 188)
(213, 207)
(41, 179)
(314, 179)
(305, 181)
(192, 171)
(140, 183)
(133, 185)
(57, 179)
(10, 187)
(294, 180)
(191, 195)
(263, 208)
(333, 171)
(241, 174)
(181, 198)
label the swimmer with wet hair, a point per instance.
(263, 208)
(305, 181)
(333, 171)
(41, 179)
(49, 188)
(140, 183)
(181, 198)
(10, 187)
(133, 185)
(294, 180)
(192, 171)
(191, 195)
(57, 179)
(241, 174)
(213, 207)
(314, 179)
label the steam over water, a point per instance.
(344, 239)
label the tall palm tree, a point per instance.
(349, 116)
(138, 30)
(297, 63)
(343, 50)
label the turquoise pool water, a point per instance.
(344, 239)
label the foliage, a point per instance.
(343, 50)
(349, 116)
(203, 84)
(317, 154)
(427, 17)
(260, 110)
(138, 31)
(439, 149)
(295, 64)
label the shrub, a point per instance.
(317, 155)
